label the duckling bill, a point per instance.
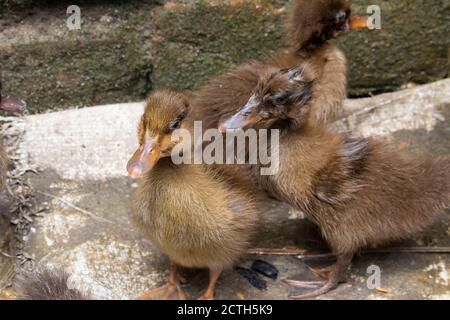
(198, 216)
(10, 103)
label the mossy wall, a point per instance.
(412, 46)
(205, 37)
(52, 67)
(126, 48)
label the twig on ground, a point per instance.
(276, 252)
(410, 250)
(71, 205)
(7, 255)
(303, 254)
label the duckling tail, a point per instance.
(47, 285)
(438, 177)
(444, 163)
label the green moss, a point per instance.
(411, 46)
(85, 67)
(14, 4)
(202, 40)
(79, 74)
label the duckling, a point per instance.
(198, 216)
(360, 192)
(310, 25)
(47, 284)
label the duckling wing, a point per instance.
(345, 176)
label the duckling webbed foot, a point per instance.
(166, 292)
(331, 274)
(170, 291)
(323, 273)
(209, 292)
(321, 287)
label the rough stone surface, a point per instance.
(412, 46)
(82, 155)
(107, 60)
(126, 48)
(77, 137)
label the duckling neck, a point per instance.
(164, 165)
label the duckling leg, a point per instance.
(332, 274)
(213, 277)
(171, 289)
(323, 273)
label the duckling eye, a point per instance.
(175, 125)
(281, 100)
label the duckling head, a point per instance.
(281, 99)
(312, 23)
(165, 112)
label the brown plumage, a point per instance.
(224, 95)
(198, 216)
(308, 22)
(360, 192)
(47, 285)
(312, 23)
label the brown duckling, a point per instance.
(47, 285)
(360, 192)
(310, 25)
(199, 217)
